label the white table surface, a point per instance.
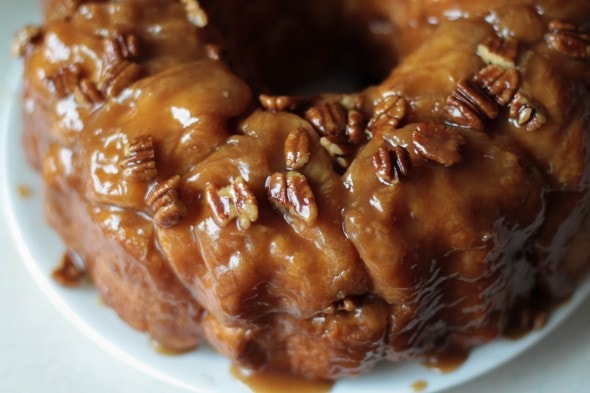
(40, 351)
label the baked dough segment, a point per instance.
(444, 259)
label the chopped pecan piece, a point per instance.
(468, 105)
(121, 46)
(328, 118)
(391, 164)
(297, 149)
(24, 40)
(195, 13)
(346, 305)
(166, 206)
(235, 201)
(64, 81)
(139, 163)
(498, 51)
(525, 113)
(569, 39)
(291, 193)
(281, 103)
(87, 93)
(388, 113)
(355, 127)
(498, 82)
(438, 143)
(337, 148)
(214, 52)
(119, 76)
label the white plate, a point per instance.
(202, 370)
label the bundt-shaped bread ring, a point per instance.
(443, 206)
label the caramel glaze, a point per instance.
(436, 264)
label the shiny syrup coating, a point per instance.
(446, 258)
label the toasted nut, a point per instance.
(498, 51)
(438, 143)
(281, 103)
(468, 105)
(292, 194)
(195, 14)
(337, 148)
(167, 207)
(24, 40)
(498, 82)
(391, 164)
(235, 201)
(328, 118)
(347, 305)
(214, 52)
(525, 113)
(118, 77)
(64, 81)
(388, 113)
(297, 149)
(139, 163)
(355, 127)
(87, 93)
(121, 46)
(569, 39)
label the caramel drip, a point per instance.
(24, 192)
(445, 363)
(267, 382)
(419, 385)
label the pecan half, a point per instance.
(195, 13)
(24, 40)
(525, 113)
(498, 51)
(391, 164)
(328, 118)
(121, 46)
(569, 39)
(498, 82)
(281, 103)
(438, 143)
(235, 201)
(338, 149)
(64, 81)
(139, 163)
(388, 113)
(297, 149)
(468, 105)
(166, 206)
(118, 77)
(291, 193)
(355, 127)
(87, 93)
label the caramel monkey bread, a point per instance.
(443, 204)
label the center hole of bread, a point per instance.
(305, 47)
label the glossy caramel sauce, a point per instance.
(23, 191)
(419, 385)
(67, 273)
(386, 268)
(446, 363)
(267, 382)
